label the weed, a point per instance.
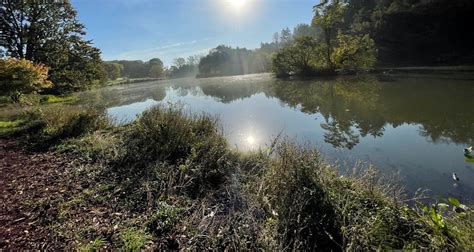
(94, 245)
(134, 239)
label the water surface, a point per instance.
(414, 125)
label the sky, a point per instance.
(167, 29)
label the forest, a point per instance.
(352, 35)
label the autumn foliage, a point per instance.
(20, 76)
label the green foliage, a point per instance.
(406, 32)
(136, 69)
(11, 124)
(57, 122)
(134, 239)
(303, 57)
(51, 34)
(94, 245)
(167, 136)
(332, 50)
(58, 99)
(297, 199)
(114, 70)
(305, 30)
(155, 68)
(224, 61)
(164, 220)
(354, 52)
(313, 207)
(20, 76)
(156, 71)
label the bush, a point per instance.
(166, 144)
(295, 196)
(20, 76)
(57, 123)
(311, 207)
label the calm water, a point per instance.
(414, 125)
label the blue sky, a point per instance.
(144, 29)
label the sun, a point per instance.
(237, 3)
(250, 140)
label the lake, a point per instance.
(413, 125)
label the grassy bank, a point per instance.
(122, 81)
(169, 181)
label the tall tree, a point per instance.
(329, 17)
(179, 62)
(155, 68)
(49, 33)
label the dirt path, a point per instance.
(30, 184)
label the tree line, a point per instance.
(344, 36)
(153, 68)
(42, 48)
(356, 35)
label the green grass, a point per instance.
(121, 81)
(94, 245)
(11, 127)
(134, 239)
(59, 99)
(11, 124)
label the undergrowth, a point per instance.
(168, 180)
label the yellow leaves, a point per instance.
(23, 76)
(329, 16)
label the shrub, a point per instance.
(311, 207)
(57, 123)
(295, 196)
(166, 143)
(20, 76)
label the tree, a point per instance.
(224, 61)
(193, 60)
(155, 67)
(329, 17)
(285, 36)
(298, 58)
(179, 62)
(276, 38)
(155, 71)
(354, 52)
(50, 34)
(134, 68)
(20, 76)
(185, 68)
(114, 70)
(306, 30)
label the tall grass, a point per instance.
(51, 125)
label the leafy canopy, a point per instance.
(50, 34)
(20, 76)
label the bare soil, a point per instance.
(31, 185)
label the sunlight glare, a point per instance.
(237, 3)
(250, 140)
